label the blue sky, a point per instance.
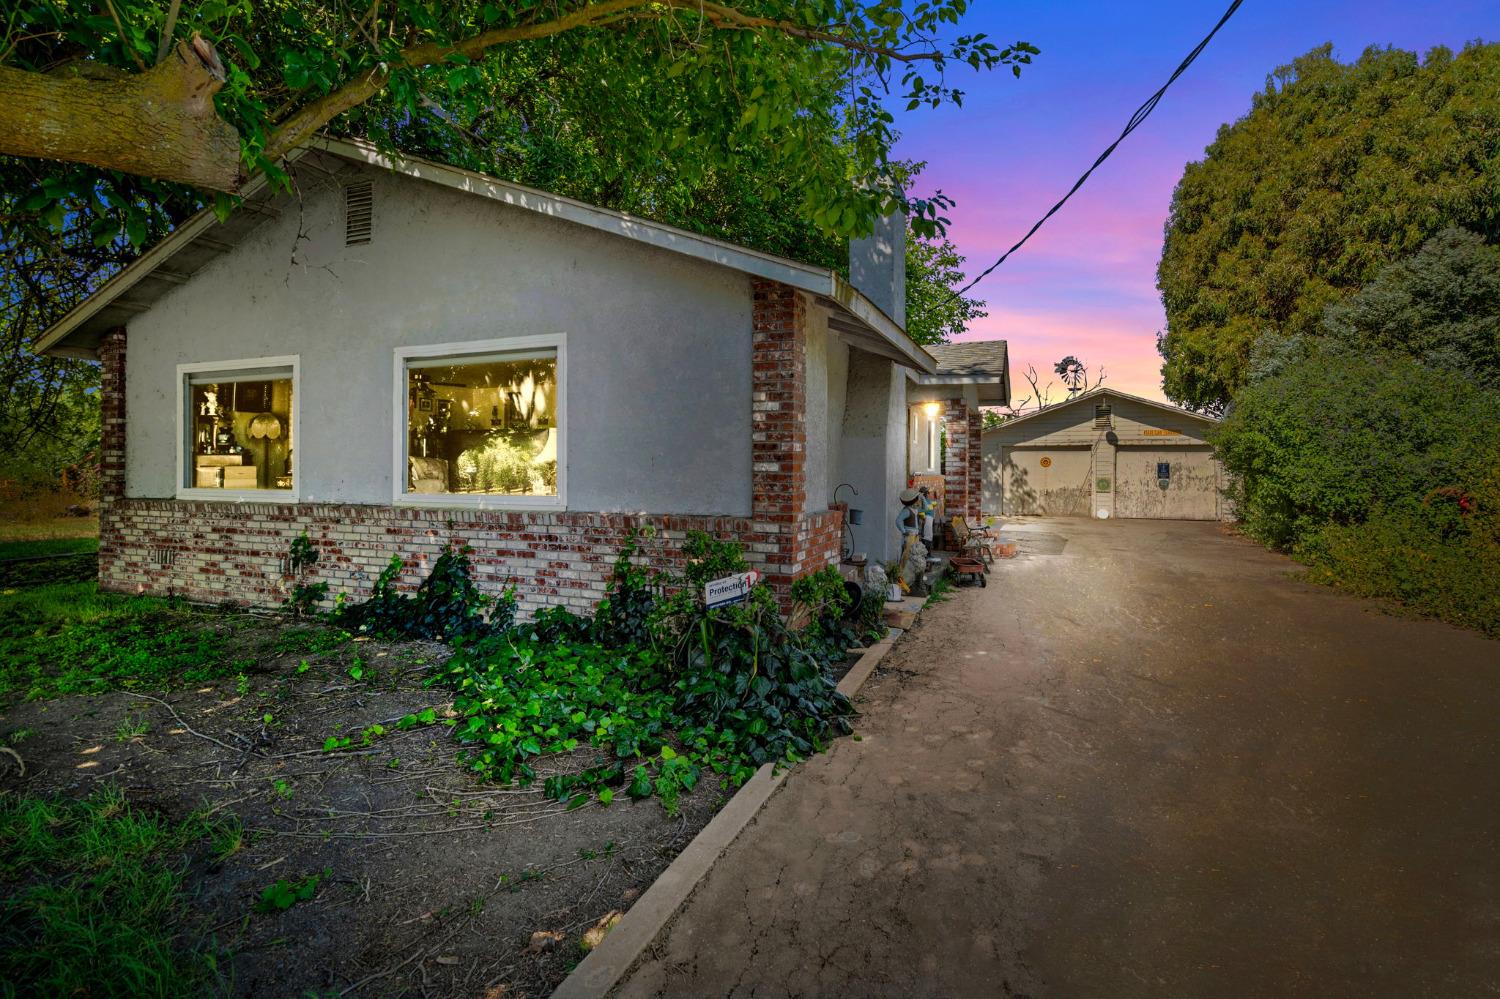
(1085, 284)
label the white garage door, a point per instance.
(1051, 482)
(1166, 483)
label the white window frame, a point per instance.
(232, 368)
(401, 432)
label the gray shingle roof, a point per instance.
(976, 359)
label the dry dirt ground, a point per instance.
(1145, 761)
(435, 881)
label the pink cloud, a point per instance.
(1122, 341)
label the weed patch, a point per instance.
(69, 638)
(725, 690)
(93, 899)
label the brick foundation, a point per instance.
(234, 551)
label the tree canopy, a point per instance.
(1337, 170)
(934, 268)
(763, 135)
(1440, 306)
(686, 83)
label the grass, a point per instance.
(942, 589)
(69, 638)
(48, 528)
(132, 728)
(42, 516)
(93, 898)
(30, 547)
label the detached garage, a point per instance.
(1104, 454)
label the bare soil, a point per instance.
(1146, 760)
(435, 881)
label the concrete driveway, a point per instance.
(1146, 761)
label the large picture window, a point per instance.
(237, 426)
(482, 427)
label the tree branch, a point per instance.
(301, 126)
(160, 123)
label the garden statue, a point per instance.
(914, 567)
(927, 507)
(913, 560)
(908, 519)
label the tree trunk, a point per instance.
(160, 123)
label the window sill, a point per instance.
(239, 495)
(501, 503)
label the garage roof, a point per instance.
(203, 237)
(1108, 392)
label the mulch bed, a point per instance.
(436, 881)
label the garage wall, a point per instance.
(1046, 482)
(1191, 492)
(1104, 471)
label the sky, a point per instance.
(1085, 284)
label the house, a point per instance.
(401, 354)
(1105, 453)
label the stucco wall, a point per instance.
(658, 368)
(873, 454)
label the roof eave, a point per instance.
(885, 336)
(904, 350)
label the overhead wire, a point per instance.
(1141, 114)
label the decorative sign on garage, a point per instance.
(1160, 432)
(1046, 462)
(729, 590)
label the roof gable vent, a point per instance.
(359, 205)
(1101, 416)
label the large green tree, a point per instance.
(1440, 306)
(1337, 170)
(934, 270)
(210, 92)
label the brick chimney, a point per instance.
(877, 265)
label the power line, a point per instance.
(1141, 114)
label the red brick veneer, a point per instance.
(233, 551)
(962, 486)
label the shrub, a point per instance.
(447, 606)
(824, 598)
(666, 685)
(1441, 558)
(1379, 472)
(1337, 434)
(624, 616)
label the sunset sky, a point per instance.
(1085, 284)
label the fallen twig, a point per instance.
(185, 726)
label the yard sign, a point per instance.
(729, 590)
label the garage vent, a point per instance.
(163, 556)
(1101, 416)
(359, 205)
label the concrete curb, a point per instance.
(604, 966)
